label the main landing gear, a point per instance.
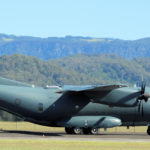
(82, 130)
(148, 130)
(73, 130)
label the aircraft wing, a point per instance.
(90, 88)
(112, 95)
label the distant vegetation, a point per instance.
(78, 69)
(53, 47)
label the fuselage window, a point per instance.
(40, 107)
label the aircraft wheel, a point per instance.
(94, 131)
(77, 130)
(148, 130)
(69, 130)
(86, 130)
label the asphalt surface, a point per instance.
(104, 136)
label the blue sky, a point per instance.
(124, 19)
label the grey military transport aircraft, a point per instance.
(80, 109)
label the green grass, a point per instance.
(48, 144)
(70, 145)
(26, 126)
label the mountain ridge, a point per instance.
(55, 47)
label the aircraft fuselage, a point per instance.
(48, 107)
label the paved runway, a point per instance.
(104, 136)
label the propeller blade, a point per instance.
(142, 110)
(144, 96)
(139, 106)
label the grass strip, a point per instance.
(15, 144)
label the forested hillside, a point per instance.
(53, 47)
(78, 69)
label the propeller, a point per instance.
(143, 97)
